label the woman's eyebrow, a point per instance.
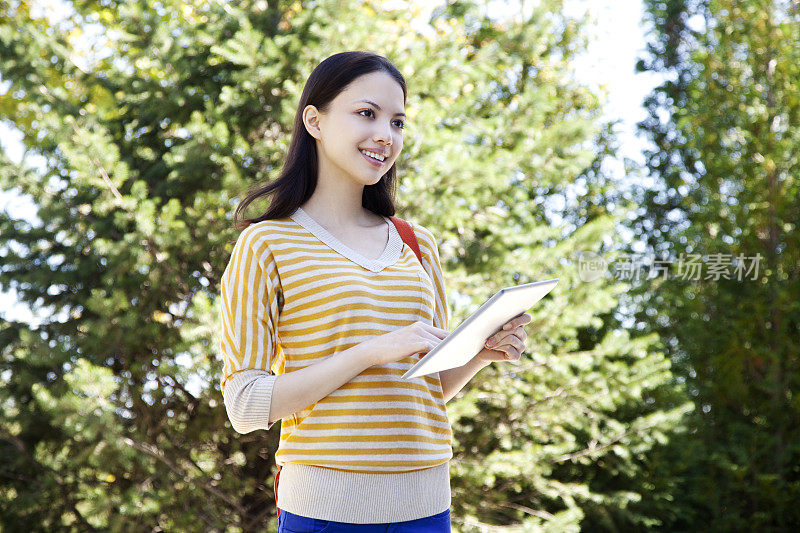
(379, 107)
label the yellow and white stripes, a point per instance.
(293, 294)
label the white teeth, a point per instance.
(373, 155)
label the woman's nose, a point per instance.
(384, 134)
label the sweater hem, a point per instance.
(357, 498)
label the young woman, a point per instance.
(324, 307)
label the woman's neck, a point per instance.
(330, 215)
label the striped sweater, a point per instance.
(292, 295)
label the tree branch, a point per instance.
(158, 454)
(594, 448)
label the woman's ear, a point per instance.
(311, 121)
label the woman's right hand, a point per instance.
(403, 342)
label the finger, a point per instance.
(519, 320)
(514, 342)
(429, 340)
(511, 323)
(439, 332)
(523, 319)
(512, 353)
(508, 339)
(517, 342)
(494, 341)
(521, 347)
(517, 355)
(520, 333)
(517, 348)
(434, 338)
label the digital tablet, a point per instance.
(470, 336)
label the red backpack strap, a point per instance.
(277, 476)
(407, 234)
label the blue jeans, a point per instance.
(293, 523)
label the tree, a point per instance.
(112, 414)
(560, 440)
(725, 165)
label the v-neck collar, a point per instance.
(389, 256)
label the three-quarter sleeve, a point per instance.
(432, 265)
(249, 306)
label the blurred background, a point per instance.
(644, 152)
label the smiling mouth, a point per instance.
(372, 160)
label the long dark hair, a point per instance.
(298, 178)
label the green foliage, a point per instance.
(111, 414)
(726, 168)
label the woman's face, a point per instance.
(367, 116)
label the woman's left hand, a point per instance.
(509, 342)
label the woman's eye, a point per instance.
(400, 123)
